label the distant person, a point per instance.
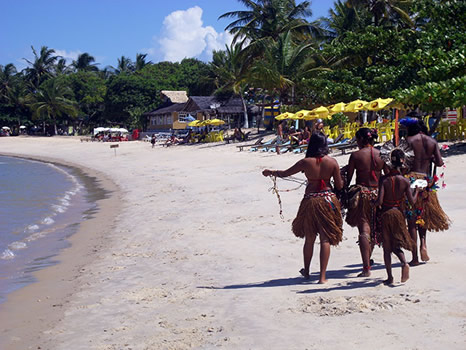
(152, 140)
(426, 214)
(319, 212)
(393, 191)
(361, 212)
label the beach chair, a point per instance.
(269, 143)
(257, 143)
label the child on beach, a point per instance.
(393, 190)
(319, 212)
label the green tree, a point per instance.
(41, 68)
(52, 100)
(141, 61)
(85, 62)
(270, 18)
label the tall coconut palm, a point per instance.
(231, 68)
(284, 62)
(141, 61)
(269, 18)
(42, 67)
(343, 18)
(7, 77)
(85, 62)
(52, 100)
(386, 11)
(124, 65)
(61, 67)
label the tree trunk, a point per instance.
(245, 110)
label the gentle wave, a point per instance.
(7, 255)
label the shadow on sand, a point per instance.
(455, 149)
(349, 272)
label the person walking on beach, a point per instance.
(393, 191)
(152, 140)
(319, 211)
(426, 213)
(361, 212)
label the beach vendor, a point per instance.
(319, 212)
(395, 236)
(361, 211)
(426, 214)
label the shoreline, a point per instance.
(41, 298)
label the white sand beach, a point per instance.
(190, 253)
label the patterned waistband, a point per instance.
(319, 194)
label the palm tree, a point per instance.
(124, 65)
(284, 62)
(7, 77)
(231, 68)
(85, 62)
(343, 18)
(52, 101)
(386, 11)
(141, 61)
(61, 68)
(42, 67)
(270, 18)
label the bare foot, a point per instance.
(388, 281)
(424, 256)
(404, 273)
(304, 273)
(365, 273)
(414, 262)
(321, 281)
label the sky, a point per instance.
(166, 30)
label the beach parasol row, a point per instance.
(214, 122)
(327, 112)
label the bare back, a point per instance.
(368, 166)
(425, 150)
(393, 190)
(316, 171)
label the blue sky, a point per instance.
(107, 29)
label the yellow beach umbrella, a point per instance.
(337, 108)
(194, 123)
(283, 116)
(301, 114)
(312, 116)
(321, 112)
(217, 122)
(204, 123)
(378, 104)
(355, 106)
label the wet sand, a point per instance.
(190, 252)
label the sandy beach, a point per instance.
(189, 252)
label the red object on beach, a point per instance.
(135, 135)
(397, 136)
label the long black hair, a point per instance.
(367, 136)
(317, 146)
(397, 159)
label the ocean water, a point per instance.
(41, 205)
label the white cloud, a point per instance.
(68, 55)
(184, 35)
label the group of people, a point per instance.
(389, 209)
(296, 137)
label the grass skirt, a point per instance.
(365, 209)
(427, 210)
(395, 231)
(319, 213)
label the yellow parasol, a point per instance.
(283, 116)
(322, 111)
(217, 122)
(194, 123)
(378, 104)
(337, 108)
(355, 106)
(301, 114)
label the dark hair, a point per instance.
(367, 136)
(414, 129)
(397, 158)
(317, 146)
(423, 127)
